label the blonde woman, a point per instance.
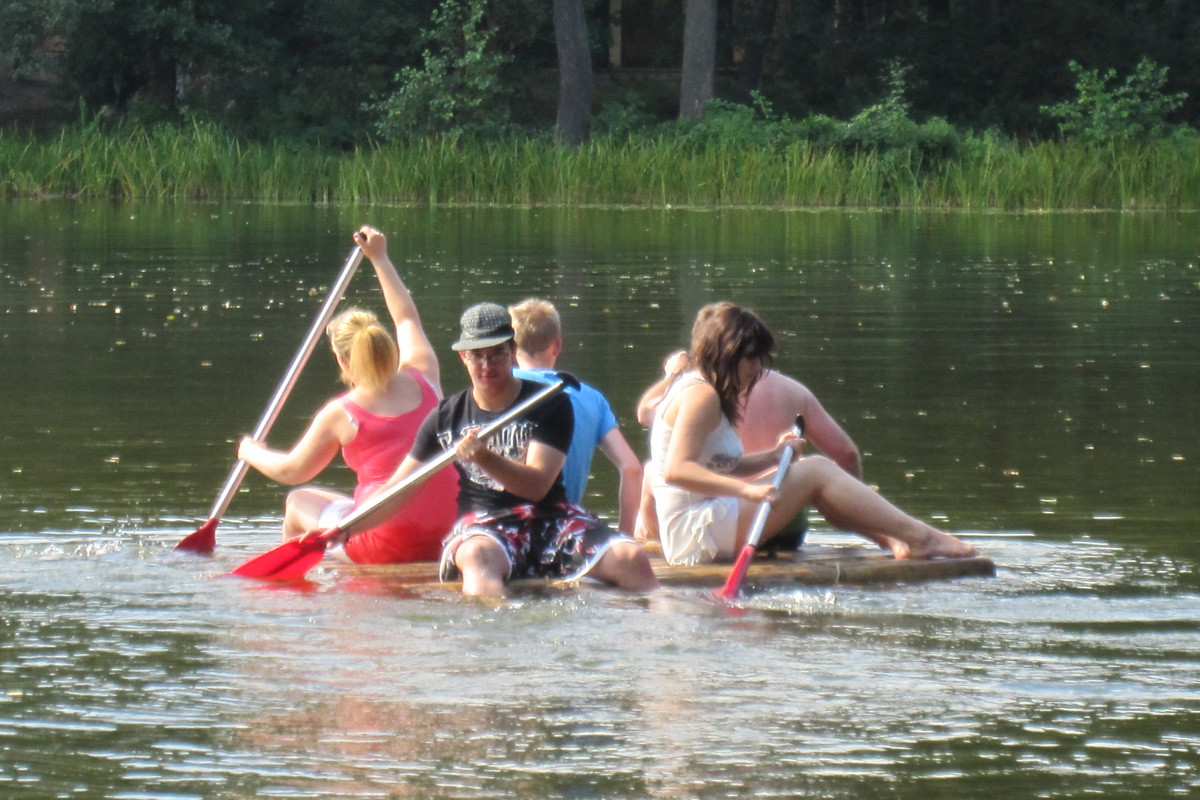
(394, 383)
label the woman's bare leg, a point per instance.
(646, 527)
(849, 504)
(303, 509)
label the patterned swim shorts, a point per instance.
(564, 543)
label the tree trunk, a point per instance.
(574, 120)
(699, 57)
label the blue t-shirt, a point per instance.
(593, 420)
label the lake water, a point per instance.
(1031, 380)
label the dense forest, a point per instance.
(345, 71)
(936, 103)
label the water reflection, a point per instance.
(1005, 375)
(1077, 662)
(1000, 370)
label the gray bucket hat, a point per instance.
(484, 325)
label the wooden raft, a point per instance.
(811, 565)
(827, 565)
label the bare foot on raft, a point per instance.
(886, 542)
(899, 549)
(936, 545)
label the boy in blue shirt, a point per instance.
(539, 343)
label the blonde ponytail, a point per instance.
(367, 350)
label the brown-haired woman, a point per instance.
(394, 383)
(707, 490)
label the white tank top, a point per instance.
(721, 451)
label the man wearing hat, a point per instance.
(515, 520)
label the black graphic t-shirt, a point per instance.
(551, 422)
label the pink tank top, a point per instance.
(416, 531)
(383, 441)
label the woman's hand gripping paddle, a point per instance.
(733, 585)
(204, 539)
(295, 557)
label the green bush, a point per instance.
(1134, 111)
(818, 129)
(889, 126)
(937, 137)
(622, 118)
(457, 92)
(728, 124)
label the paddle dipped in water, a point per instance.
(295, 557)
(733, 585)
(204, 539)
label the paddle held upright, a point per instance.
(204, 539)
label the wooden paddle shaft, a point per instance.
(733, 584)
(295, 557)
(290, 377)
(764, 509)
(355, 522)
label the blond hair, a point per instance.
(536, 324)
(368, 353)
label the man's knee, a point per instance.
(628, 566)
(479, 551)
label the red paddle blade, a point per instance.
(203, 540)
(733, 585)
(290, 560)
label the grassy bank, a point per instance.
(200, 162)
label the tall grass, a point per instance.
(201, 162)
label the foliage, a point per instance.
(885, 127)
(202, 161)
(456, 92)
(725, 123)
(980, 64)
(265, 69)
(24, 24)
(303, 70)
(122, 49)
(888, 125)
(1134, 111)
(622, 118)
(306, 76)
(324, 71)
